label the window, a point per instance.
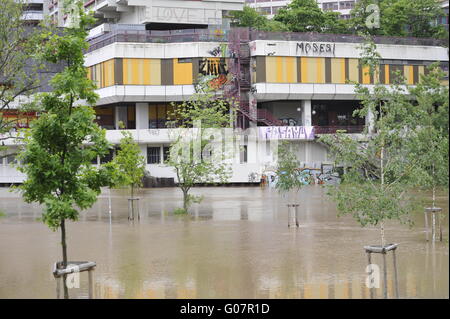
(330, 6)
(104, 116)
(153, 156)
(10, 159)
(94, 161)
(166, 153)
(158, 115)
(108, 157)
(347, 4)
(243, 154)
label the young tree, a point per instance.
(62, 142)
(193, 155)
(429, 126)
(380, 174)
(18, 72)
(289, 176)
(128, 165)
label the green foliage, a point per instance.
(18, 72)
(380, 170)
(306, 16)
(190, 150)
(429, 126)
(179, 211)
(397, 18)
(288, 173)
(401, 18)
(128, 166)
(59, 147)
(251, 18)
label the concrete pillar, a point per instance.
(116, 117)
(141, 116)
(306, 113)
(307, 153)
(143, 148)
(253, 109)
(370, 121)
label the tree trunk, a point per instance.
(185, 200)
(132, 201)
(64, 253)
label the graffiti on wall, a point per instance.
(289, 121)
(219, 51)
(215, 70)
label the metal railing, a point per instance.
(221, 35)
(267, 117)
(334, 129)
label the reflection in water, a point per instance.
(236, 244)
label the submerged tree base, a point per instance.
(180, 211)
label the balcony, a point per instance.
(351, 129)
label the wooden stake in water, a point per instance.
(109, 201)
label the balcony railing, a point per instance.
(333, 129)
(221, 35)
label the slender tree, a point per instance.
(289, 176)
(380, 175)
(429, 126)
(191, 153)
(128, 165)
(60, 145)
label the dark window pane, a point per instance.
(166, 151)
(153, 156)
(108, 157)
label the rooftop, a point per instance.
(246, 35)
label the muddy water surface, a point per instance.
(236, 244)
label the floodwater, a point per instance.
(236, 244)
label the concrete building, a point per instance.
(155, 14)
(270, 7)
(34, 11)
(291, 88)
(444, 18)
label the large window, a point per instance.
(104, 116)
(153, 155)
(158, 114)
(330, 116)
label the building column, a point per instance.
(370, 121)
(141, 116)
(306, 113)
(116, 117)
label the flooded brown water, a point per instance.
(236, 244)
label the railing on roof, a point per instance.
(156, 36)
(219, 35)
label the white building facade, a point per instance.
(295, 88)
(271, 7)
